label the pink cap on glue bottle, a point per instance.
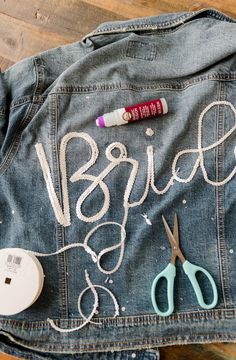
(133, 113)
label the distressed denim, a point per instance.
(63, 181)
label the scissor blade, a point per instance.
(176, 229)
(169, 233)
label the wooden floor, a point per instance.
(28, 27)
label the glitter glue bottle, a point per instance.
(132, 113)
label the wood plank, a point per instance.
(142, 8)
(18, 39)
(225, 349)
(221, 351)
(5, 63)
(34, 30)
(7, 357)
(67, 18)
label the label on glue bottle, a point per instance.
(133, 113)
(21, 280)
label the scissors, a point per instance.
(170, 271)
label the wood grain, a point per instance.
(226, 351)
(31, 26)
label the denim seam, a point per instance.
(126, 28)
(61, 230)
(143, 320)
(27, 99)
(29, 114)
(225, 255)
(41, 76)
(115, 345)
(40, 79)
(129, 27)
(154, 353)
(61, 258)
(129, 86)
(19, 352)
(220, 205)
(162, 32)
(217, 169)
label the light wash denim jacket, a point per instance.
(65, 181)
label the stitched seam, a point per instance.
(127, 86)
(60, 230)
(225, 264)
(220, 208)
(123, 28)
(217, 201)
(41, 76)
(135, 320)
(126, 28)
(150, 341)
(27, 99)
(15, 352)
(62, 267)
(30, 112)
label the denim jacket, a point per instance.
(88, 201)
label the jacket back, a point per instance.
(98, 194)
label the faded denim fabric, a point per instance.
(63, 180)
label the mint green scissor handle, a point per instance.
(169, 274)
(191, 270)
